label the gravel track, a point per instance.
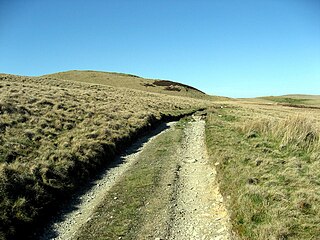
(198, 209)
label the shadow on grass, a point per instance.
(47, 230)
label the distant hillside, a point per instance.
(295, 99)
(130, 81)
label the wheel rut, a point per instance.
(67, 222)
(192, 206)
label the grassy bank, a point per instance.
(268, 166)
(55, 134)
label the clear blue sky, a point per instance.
(236, 48)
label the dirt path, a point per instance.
(192, 205)
(72, 218)
(198, 208)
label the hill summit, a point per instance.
(129, 81)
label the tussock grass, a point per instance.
(297, 131)
(268, 165)
(55, 134)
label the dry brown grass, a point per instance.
(54, 134)
(296, 131)
(268, 163)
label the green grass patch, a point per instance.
(287, 100)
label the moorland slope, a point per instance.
(55, 134)
(132, 82)
(294, 100)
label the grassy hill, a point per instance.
(131, 82)
(55, 134)
(295, 99)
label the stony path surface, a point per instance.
(196, 209)
(199, 212)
